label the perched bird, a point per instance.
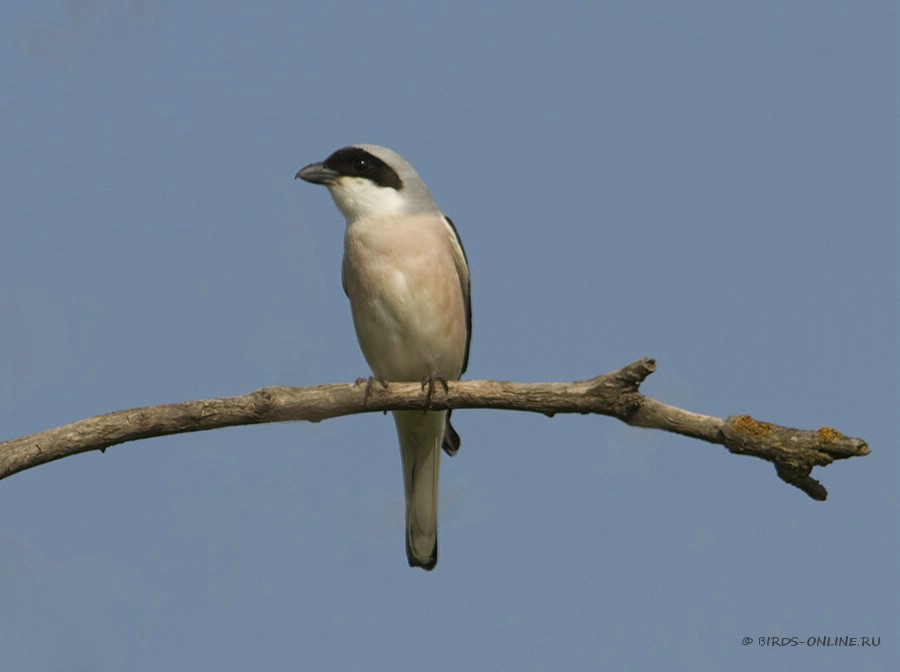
(407, 278)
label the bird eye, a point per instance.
(361, 165)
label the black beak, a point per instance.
(317, 173)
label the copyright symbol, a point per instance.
(747, 640)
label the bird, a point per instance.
(406, 275)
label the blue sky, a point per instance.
(712, 184)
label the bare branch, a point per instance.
(794, 452)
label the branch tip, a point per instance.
(800, 478)
(638, 371)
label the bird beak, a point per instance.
(317, 173)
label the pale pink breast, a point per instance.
(407, 304)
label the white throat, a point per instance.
(359, 198)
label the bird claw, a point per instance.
(428, 382)
(370, 383)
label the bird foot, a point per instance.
(370, 383)
(428, 385)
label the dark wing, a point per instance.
(465, 284)
(451, 438)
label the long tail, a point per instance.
(421, 436)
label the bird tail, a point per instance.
(421, 436)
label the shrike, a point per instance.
(406, 275)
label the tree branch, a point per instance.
(794, 452)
